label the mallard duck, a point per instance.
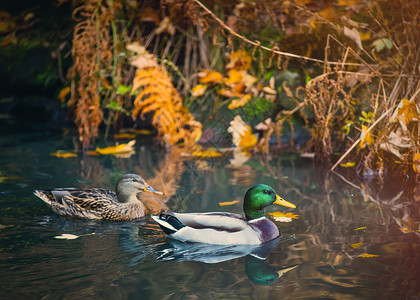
(227, 228)
(101, 204)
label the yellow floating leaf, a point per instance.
(239, 60)
(408, 112)
(359, 228)
(239, 102)
(124, 136)
(348, 164)
(356, 245)
(66, 236)
(122, 148)
(367, 255)
(63, 154)
(198, 90)
(228, 203)
(287, 215)
(283, 217)
(63, 93)
(366, 137)
(208, 76)
(211, 152)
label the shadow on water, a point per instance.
(353, 240)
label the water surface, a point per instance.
(134, 260)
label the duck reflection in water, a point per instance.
(255, 261)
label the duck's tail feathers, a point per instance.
(41, 195)
(168, 222)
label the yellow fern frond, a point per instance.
(157, 95)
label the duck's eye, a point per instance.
(267, 192)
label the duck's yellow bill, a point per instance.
(281, 201)
(152, 190)
(281, 272)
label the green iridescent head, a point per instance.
(260, 196)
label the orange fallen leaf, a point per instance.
(356, 245)
(63, 93)
(239, 102)
(124, 136)
(198, 90)
(228, 203)
(367, 255)
(63, 154)
(366, 137)
(416, 162)
(208, 76)
(239, 60)
(408, 112)
(122, 148)
(235, 76)
(241, 134)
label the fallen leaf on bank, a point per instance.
(228, 203)
(407, 112)
(354, 35)
(416, 163)
(239, 102)
(208, 76)
(359, 228)
(348, 164)
(165, 26)
(143, 59)
(66, 236)
(239, 60)
(198, 90)
(63, 154)
(356, 245)
(283, 217)
(366, 137)
(211, 152)
(381, 44)
(118, 149)
(124, 136)
(367, 255)
(63, 93)
(241, 133)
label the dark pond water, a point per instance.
(134, 260)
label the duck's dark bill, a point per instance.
(152, 190)
(281, 201)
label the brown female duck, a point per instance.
(101, 204)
